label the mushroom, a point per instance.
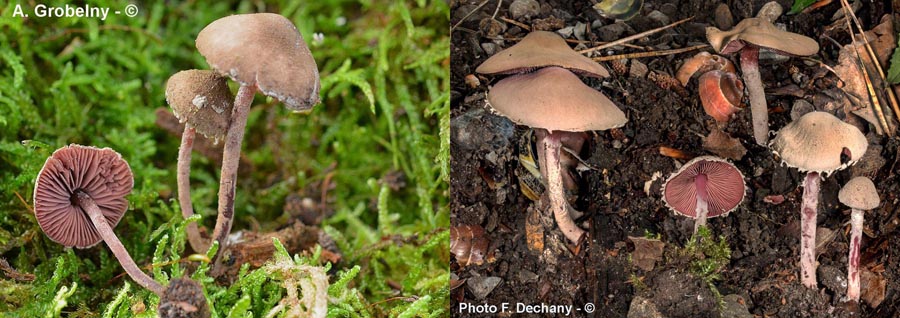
(263, 52)
(860, 195)
(704, 187)
(816, 143)
(540, 49)
(555, 99)
(748, 37)
(720, 94)
(701, 63)
(79, 196)
(202, 101)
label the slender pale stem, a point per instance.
(90, 207)
(230, 159)
(808, 230)
(856, 225)
(558, 204)
(184, 189)
(759, 111)
(702, 202)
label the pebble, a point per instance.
(489, 48)
(734, 307)
(526, 276)
(491, 28)
(580, 29)
(638, 69)
(724, 19)
(566, 32)
(524, 9)
(832, 278)
(659, 18)
(642, 308)
(770, 11)
(612, 32)
(481, 286)
(800, 108)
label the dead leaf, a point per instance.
(724, 145)
(872, 286)
(646, 252)
(534, 231)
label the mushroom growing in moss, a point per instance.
(79, 196)
(816, 143)
(747, 37)
(263, 52)
(860, 195)
(201, 100)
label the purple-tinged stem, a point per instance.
(90, 207)
(759, 111)
(198, 244)
(230, 159)
(856, 225)
(550, 164)
(702, 202)
(808, 230)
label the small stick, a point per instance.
(633, 37)
(517, 23)
(649, 54)
(468, 15)
(862, 65)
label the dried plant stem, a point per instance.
(634, 37)
(649, 54)
(90, 207)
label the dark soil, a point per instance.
(764, 237)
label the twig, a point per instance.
(517, 23)
(466, 17)
(633, 37)
(497, 10)
(649, 54)
(574, 41)
(862, 65)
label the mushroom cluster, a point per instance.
(545, 93)
(264, 53)
(79, 196)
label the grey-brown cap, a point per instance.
(859, 193)
(540, 49)
(202, 99)
(100, 173)
(553, 98)
(819, 142)
(761, 33)
(264, 49)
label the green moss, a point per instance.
(385, 110)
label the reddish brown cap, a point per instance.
(263, 49)
(762, 33)
(202, 99)
(819, 142)
(553, 98)
(859, 193)
(540, 49)
(724, 184)
(101, 173)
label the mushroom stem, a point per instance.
(231, 156)
(702, 202)
(758, 109)
(184, 189)
(88, 205)
(808, 229)
(550, 165)
(856, 224)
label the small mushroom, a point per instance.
(201, 100)
(721, 94)
(816, 143)
(556, 100)
(860, 195)
(704, 187)
(748, 37)
(540, 49)
(263, 52)
(702, 63)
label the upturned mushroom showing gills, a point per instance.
(79, 196)
(704, 187)
(816, 143)
(201, 100)
(263, 52)
(860, 195)
(555, 99)
(748, 37)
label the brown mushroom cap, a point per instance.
(540, 49)
(761, 33)
(817, 142)
(859, 193)
(264, 49)
(202, 99)
(724, 184)
(553, 98)
(101, 173)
